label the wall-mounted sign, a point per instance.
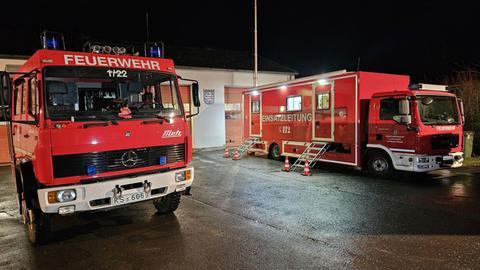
(209, 96)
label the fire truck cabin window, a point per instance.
(388, 108)
(24, 97)
(294, 104)
(33, 105)
(17, 95)
(255, 106)
(98, 93)
(323, 101)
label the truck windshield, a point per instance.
(438, 110)
(99, 94)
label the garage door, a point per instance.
(233, 116)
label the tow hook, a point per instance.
(147, 186)
(117, 192)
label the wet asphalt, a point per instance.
(248, 214)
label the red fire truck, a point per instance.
(368, 120)
(94, 130)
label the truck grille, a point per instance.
(444, 141)
(76, 165)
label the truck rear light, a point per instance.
(66, 195)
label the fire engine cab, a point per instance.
(375, 121)
(95, 130)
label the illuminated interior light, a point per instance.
(283, 87)
(322, 82)
(255, 93)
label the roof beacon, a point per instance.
(52, 40)
(154, 49)
(428, 87)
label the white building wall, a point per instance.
(209, 125)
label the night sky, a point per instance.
(427, 39)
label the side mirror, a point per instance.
(404, 119)
(462, 110)
(196, 98)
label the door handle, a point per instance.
(26, 136)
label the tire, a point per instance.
(38, 225)
(167, 204)
(274, 152)
(380, 165)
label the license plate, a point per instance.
(129, 198)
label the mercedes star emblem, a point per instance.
(129, 159)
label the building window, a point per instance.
(389, 108)
(294, 104)
(323, 101)
(255, 106)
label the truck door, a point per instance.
(386, 131)
(30, 127)
(255, 114)
(323, 111)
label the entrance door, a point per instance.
(323, 111)
(255, 114)
(233, 116)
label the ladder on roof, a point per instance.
(247, 144)
(313, 153)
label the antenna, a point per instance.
(358, 64)
(146, 21)
(255, 49)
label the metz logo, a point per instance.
(171, 134)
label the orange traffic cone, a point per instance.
(226, 154)
(236, 156)
(286, 167)
(306, 169)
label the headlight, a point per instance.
(66, 195)
(183, 175)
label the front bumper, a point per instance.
(101, 195)
(425, 163)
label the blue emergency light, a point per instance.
(162, 160)
(154, 49)
(91, 169)
(52, 40)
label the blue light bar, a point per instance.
(52, 41)
(91, 169)
(155, 51)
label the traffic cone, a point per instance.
(226, 154)
(236, 156)
(306, 169)
(286, 167)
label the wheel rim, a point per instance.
(380, 165)
(276, 151)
